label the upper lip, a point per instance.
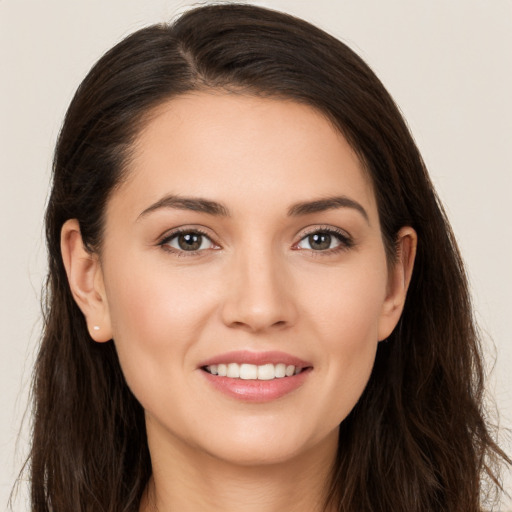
(256, 358)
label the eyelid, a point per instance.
(164, 239)
(345, 239)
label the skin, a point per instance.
(256, 284)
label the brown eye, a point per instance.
(325, 240)
(320, 241)
(188, 241)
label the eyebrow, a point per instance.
(188, 203)
(217, 209)
(329, 203)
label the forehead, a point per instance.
(236, 148)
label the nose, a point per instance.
(259, 293)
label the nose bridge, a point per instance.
(259, 290)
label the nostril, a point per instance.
(257, 308)
(252, 325)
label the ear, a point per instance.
(85, 278)
(398, 281)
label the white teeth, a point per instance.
(252, 372)
(248, 371)
(266, 372)
(233, 371)
(280, 370)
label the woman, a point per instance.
(255, 300)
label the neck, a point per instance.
(184, 480)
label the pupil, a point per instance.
(189, 242)
(320, 241)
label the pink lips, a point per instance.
(257, 358)
(257, 390)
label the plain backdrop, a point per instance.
(448, 64)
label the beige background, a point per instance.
(447, 63)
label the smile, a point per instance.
(256, 376)
(253, 372)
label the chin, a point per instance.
(262, 446)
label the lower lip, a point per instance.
(257, 390)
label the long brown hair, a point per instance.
(417, 440)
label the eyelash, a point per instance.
(345, 241)
(183, 231)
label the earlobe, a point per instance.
(85, 279)
(398, 283)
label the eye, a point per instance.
(188, 241)
(325, 240)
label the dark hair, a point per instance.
(417, 440)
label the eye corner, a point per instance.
(327, 235)
(187, 241)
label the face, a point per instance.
(245, 278)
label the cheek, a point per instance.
(148, 303)
(349, 303)
(345, 320)
(156, 317)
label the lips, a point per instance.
(257, 358)
(256, 376)
(246, 371)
